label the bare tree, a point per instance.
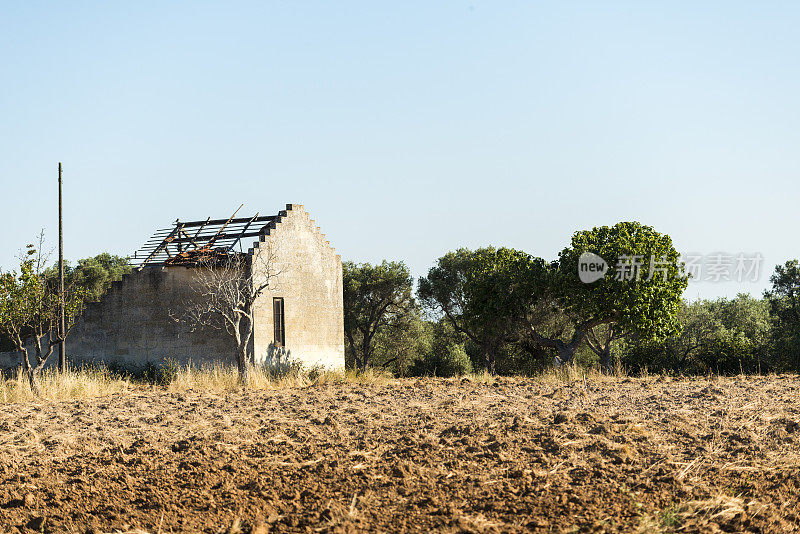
(227, 287)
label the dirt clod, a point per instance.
(560, 417)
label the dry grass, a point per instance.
(721, 508)
(87, 383)
(93, 382)
(225, 378)
(74, 384)
(575, 373)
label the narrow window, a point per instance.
(280, 329)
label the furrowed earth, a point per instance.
(457, 455)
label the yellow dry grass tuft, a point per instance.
(481, 378)
(575, 373)
(220, 378)
(91, 382)
(719, 508)
(74, 384)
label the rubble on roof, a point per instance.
(196, 242)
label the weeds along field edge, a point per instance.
(74, 384)
(91, 382)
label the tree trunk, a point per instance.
(30, 372)
(489, 358)
(33, 379)
(605, 358)
(26, 363)
(244, 368)
(566, 351)
(565, 355)
(365, 349)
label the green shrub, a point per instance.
(452, 361)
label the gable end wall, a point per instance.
(309, 280)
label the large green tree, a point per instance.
(93, 276)
(405, 339)
(377, 300)
(480, 293)
(784, 302)
(638, 295)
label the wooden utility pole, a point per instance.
(62, 346)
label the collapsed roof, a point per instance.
(194, 242)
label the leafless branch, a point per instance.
(227, 289)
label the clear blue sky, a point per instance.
(406, 128)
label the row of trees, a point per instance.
(499, 301)
(497, 309)
(726, 336)
(508, 312)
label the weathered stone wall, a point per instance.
(136, 323)
(307, 273)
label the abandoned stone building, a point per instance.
(299, 317)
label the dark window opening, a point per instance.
(278, 317)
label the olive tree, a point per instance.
(723, 336)
(92, 275)
(784, 302)
(479, 293)
(378, 300)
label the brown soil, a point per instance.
(422, 455)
